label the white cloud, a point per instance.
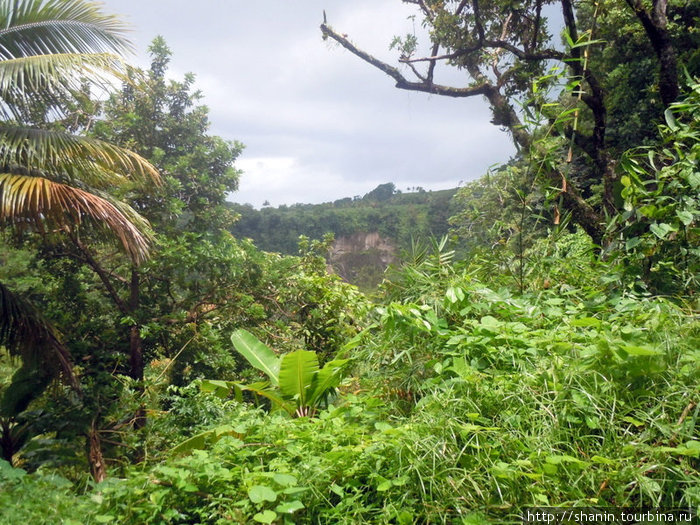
(284, 180)
(318, 123)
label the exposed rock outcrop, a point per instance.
(361, 258)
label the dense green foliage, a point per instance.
(532, 363)
(469, 403)
(398, 217)
(661, 189)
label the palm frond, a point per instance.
(27, 384)
(50, 79)
(28, 201)
(58, 155)
(34, 27)
(26, 334)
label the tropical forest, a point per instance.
(528, 339)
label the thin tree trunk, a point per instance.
(136, 364)
(94, 454)
(655, 25)
(136, 367)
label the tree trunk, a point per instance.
(585, 216)
(136, 365)
(94, 454)
(655, 25)
(135, 353)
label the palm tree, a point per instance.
(51, 180)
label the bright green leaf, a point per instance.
(290, 507)
(260, 493)
(297, 372)
(266, 516)
(257, 354)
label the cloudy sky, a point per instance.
(317, 122)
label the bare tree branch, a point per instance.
(431, 67)
(401, 81)
(101, 273)
(461, 7)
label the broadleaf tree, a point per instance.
(503, 47)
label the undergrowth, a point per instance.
(466, 404)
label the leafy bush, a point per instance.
(658, 231)
(43, 498)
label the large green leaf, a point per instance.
(326, 380)
(257, 354)
(263, 389)
(297, 372)
(221, 389)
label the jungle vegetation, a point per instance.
(397, 216)
(544, 351)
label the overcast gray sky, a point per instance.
(318, 123)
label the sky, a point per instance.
(318, 124)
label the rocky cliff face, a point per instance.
(361, 258)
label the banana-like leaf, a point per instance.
(327, 379)
(297, 372)
(257, 354)
(223, 389)
(35, 201)
(263, 389)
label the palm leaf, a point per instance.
(27, 383)
(297, 371)
(49, 79)
(28, 201)
(257, 354)
(32, 27)
(92, 161)
(25, 333)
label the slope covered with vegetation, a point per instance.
(397, 217)
(183, 375)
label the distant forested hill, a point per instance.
(397, 217)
